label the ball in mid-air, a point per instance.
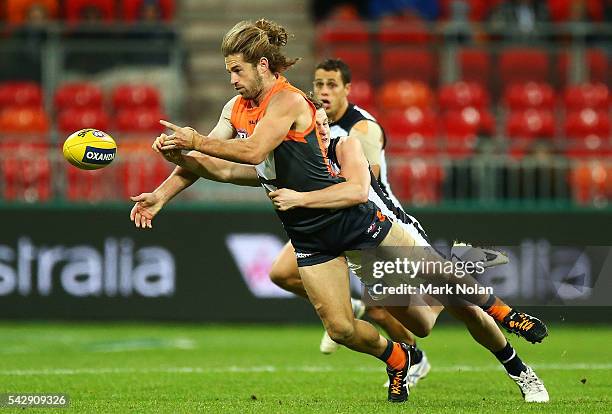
(90, 149)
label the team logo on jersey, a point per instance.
(242, 133)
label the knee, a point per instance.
(472, 314)
(377, 314)
(341, 331)
(422, 329)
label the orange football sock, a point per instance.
(397, 359)
(499, 310)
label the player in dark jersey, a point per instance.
(277, 119)
(482, 327)
(332, 85)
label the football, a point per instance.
(90, 149)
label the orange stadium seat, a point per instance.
(74, 9)
(410, 131)
(135, 96)
(417, 181)
(78, 95)
(530, 124)
(591, 182)
(17, 10)
(404, 94)
(26, 170)
(520, 96)
(20, 94)
(74, 119)
(598, 69)
(587, 95)
(524, 65)
(131, 9)
(24, 121)
(588, 122)
(460, 95)
(417, 65)
(139, 120)
(475, 66)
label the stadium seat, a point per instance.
(410, 131)
(358, 59)
(403, 30)
(74, 9)
(141, 171)
(135, 96)
(561, 10)
(78, 95)
(519, 96)
(335, 32)
(591, 182)
(415, 65)
(460, 95)
(93, 186)
(362, 94)
(530, 124)
(24, 121)
(404, 94)
(588, 122)
(416, 180)
(17, 10)
(597, 67)
(590, 146)
(524, 65)
(74, 119)
(139, 120)
(21, 95)
(463, 128)
(25, 170)
(475, 66)
(587, 95)
(131, 9)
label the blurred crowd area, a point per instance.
(483, 100)
(492, 102)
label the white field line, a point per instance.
(274, 369)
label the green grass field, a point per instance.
(189, 368)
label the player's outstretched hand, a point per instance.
(146, 207)
(183, 138)
(285, 199)
(172, 155)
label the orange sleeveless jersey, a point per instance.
(298, 163)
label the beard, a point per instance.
(253, 92)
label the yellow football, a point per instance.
(90, 149)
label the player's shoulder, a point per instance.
(362, 113)
(288, 97)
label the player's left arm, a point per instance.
(284, 112)
(370, 135)
(351, 192)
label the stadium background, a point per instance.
(497, 115)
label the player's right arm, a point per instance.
(149, 204)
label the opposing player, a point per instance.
(277, 124)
